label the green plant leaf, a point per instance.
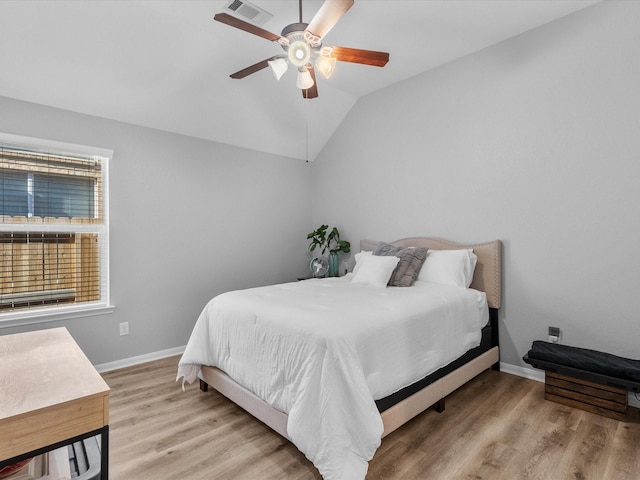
(331, 241)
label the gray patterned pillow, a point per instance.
(408, 269)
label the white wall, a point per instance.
(534, 141)
(189, 219)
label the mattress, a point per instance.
(324, 350)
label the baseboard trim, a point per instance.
(131, 361)
(529, 373)
(538, 376)
(517, 370)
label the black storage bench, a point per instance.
(587, 379)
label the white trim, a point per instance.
(103, 306)
(62, 147)
(530, 373)
(132, 361)
(538, 375)
(51, 227)
(105, 247)
(44, 315)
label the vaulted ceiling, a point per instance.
(166, 64)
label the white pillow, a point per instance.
(374, 270)
(449, 267)
(358, 257)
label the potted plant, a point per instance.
(329, 241)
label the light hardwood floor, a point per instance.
(497, 427)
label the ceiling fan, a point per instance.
(302, 43)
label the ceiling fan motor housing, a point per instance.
(294, 28)
(299, 50)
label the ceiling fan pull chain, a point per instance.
(306, 130)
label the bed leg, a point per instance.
(439, 405)
(496, 367)
(204, 386)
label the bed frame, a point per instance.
(487, 278)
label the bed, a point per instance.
(336, 383)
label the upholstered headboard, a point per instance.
(487, 276)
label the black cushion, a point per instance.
(585, 359)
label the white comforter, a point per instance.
(322, 350)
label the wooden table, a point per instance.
(50, 396)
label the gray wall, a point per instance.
(534, 141)
(189, 219)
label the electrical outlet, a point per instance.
(124, 328)
(554, 334)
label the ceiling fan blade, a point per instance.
(247, 27)
(313, 91)
(245, 72)
(324, 20)
(356, 55)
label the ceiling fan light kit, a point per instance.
(303, 47)
(278, 67)
(304, 80)
(299, 53)
(325, 65)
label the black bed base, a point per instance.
(489, 340)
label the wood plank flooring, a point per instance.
(497, 427)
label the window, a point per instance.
(53, 227)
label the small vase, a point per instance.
(334, 264)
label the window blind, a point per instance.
(53, 227)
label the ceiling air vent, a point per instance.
(248, 11)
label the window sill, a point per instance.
(45, 315)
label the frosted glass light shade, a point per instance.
(304, 80)
(299, 53)
(278, 67)
(326, 65)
